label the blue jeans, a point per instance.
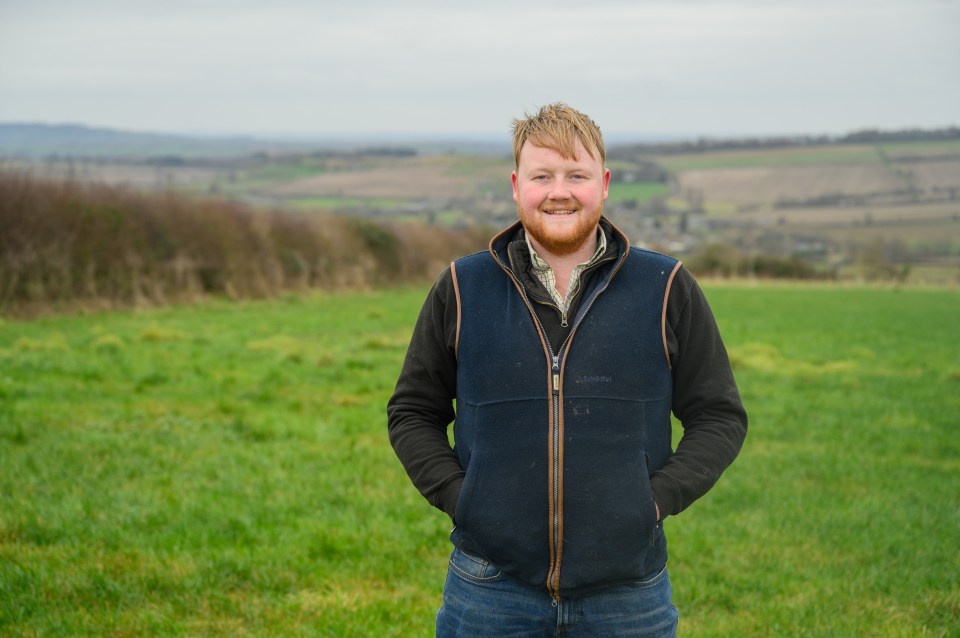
(479, 601)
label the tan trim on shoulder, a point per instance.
(663, 315)
(456, 292)
(509, 230)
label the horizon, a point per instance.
(477, 137)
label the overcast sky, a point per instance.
(646, 67)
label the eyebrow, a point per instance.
(544, 169)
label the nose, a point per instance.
(559, 189)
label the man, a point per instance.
(565, 350)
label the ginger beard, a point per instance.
(560, 242)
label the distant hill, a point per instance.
(33, 141)
(39, 141)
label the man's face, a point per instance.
(559, 200)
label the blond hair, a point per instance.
(557, 127)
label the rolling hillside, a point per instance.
(861, 209)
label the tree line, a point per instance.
(865, 136)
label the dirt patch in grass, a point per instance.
(769, 185)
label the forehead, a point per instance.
(532, 154)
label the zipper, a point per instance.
(564, 317)
(553, 576)
(556, 458)
(549, 304)
(553, 573)
(556, 538)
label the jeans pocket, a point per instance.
(654, 580)
(473, 568)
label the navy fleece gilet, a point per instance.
(557, 487)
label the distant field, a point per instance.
(936, 175)
(751, 176)
(929, 149)
(768, 185)
(829, 155)
(279, 172)
(224, 470)
(901, 201)
(134, 175)
(745, 194)
(341, 203)
(827, 216)
(773, 157)
(403, 178)
(916, 236)
(638, 192)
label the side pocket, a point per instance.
(654, 580)
(649, 505)
(473, 568)
(462, 509)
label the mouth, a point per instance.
(560, 211)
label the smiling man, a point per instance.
(560, 199)
(565, 351)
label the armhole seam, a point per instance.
(663, 314)
(456, 292)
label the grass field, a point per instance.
(832, 155)
(930, 149)
(223, 470)
(848, 155)
(639, 192)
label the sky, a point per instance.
(645, 68)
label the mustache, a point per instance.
(561, 205)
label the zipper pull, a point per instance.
(563, 320)
(556, 375)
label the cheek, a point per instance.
(590, 197)
(530, 198)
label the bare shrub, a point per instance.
(65, 244)
(429, 249)
(725, 261)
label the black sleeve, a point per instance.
(705, 400)
(421, 407)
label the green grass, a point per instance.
(842, 516)
(637, 191)
(282, 171)
(223, 470)
(270, 174)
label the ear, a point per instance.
(513, 181)
(606, 182)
